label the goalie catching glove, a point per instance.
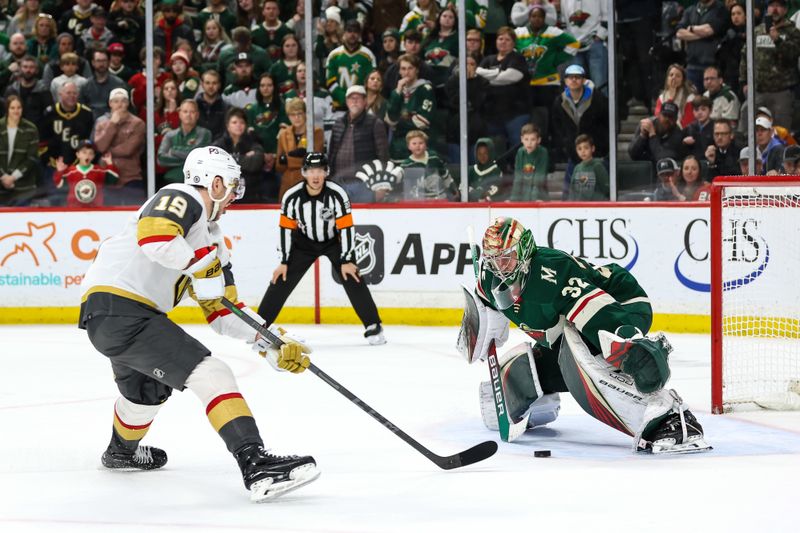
(205, 271)
(642, 358)
(290, 356)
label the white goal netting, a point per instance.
(760, 276)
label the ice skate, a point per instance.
(677, 433)
(268, 476)
(144, 458)
(374, 334)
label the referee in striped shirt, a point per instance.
(316, 221)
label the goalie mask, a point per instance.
(507, 252)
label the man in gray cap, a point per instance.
(744, 163)
(668, 171)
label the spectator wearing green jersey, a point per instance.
(265, 118)
(426, 175)
(215, 10)
(421, 18)
(284, 70)
(530, 167)
(348, 65)
(589, 180)
(177, 143)
(544, 49)
(242, 42)
(411, 106)
(441, 47)
(269, 34)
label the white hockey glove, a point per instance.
(208, 283)
(291, 356)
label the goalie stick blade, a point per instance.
(477, 453)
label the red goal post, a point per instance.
(755, 292)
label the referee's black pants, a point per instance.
(303, 253)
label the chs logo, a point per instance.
(597, 240)
(744, 251)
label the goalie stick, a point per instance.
(477, 453)
(509, 430)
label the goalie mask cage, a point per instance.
(755, 293)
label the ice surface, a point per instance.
(57, 392)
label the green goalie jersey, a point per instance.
(563, 287)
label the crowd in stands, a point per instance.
(232, 73)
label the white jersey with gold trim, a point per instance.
(145, 261)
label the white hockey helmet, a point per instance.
(203, 164)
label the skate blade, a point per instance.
(695, 445)
(266, 489)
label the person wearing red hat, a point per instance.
(116, 65)
(184, 75)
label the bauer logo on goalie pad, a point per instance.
(368, 253)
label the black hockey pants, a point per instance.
(303, 253)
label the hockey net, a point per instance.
(755, 293)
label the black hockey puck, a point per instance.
(541, 453)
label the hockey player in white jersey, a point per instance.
(173, 247)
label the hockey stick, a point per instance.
(479, 452)
(509, 430)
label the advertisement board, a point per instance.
(414, 258)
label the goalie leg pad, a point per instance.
(479, 326)
(544, 410)
(604, 392)
(521, 390)
(659, 421)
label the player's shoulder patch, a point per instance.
(176, 204)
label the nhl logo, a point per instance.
(367, 253)
(364, 251)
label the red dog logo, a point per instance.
(35, 242)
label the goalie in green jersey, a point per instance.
(590, 326)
